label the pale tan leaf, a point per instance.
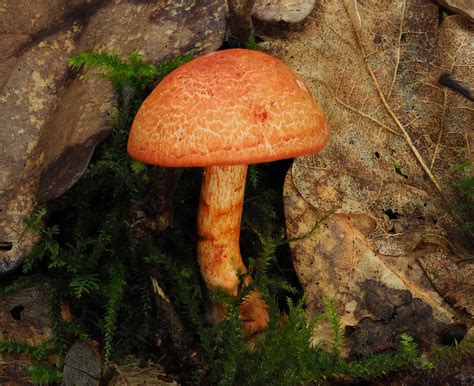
(387, 171)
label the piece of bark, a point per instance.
(24, 315)
(170, 321)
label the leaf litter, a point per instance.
(388, 172)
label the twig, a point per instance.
(120, 373)
(455, 86)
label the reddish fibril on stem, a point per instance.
(223, 111)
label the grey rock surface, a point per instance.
(50, 120)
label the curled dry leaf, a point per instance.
(388, 169)
(287, 11)
(461, 7)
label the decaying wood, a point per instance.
(172, 329)
(240, 21)
(155, 213)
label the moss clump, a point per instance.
(40, 370)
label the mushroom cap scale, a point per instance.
(229, 107)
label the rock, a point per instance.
(24, 317)
(287, 11)
(461, 7)
(82, 365)
(51, 120)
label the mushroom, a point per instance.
(223, 111)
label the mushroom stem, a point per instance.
(219, 218)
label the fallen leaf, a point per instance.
(387, 172)
(51, 119)
(82, 365)
(461, 7)
(287, 11)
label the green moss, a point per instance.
(466, 186)
(40, 371)
(89, 257)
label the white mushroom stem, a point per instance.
(219, 219)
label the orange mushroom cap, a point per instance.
(229, 107)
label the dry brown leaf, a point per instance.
(387, 171)
(460, 7)
(287, 11)
(51, 119)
